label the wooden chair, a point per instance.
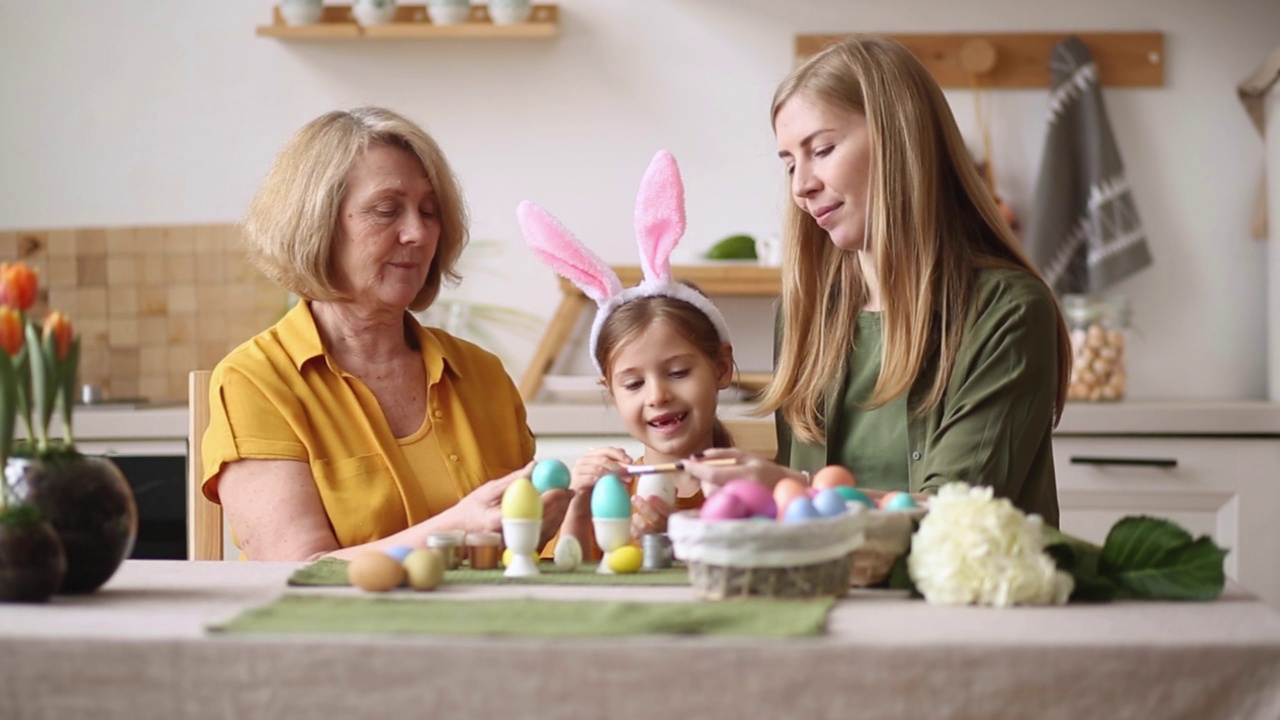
(204, 518)
(754, 436)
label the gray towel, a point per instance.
(1085, 233)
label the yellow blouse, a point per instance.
(280, 396)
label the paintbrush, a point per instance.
(671, 466)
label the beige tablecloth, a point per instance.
(138, 649)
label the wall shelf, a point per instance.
(1021, 60)
(725, 280)
(411, 23)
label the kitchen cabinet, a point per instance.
(411, 23)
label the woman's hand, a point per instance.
(748, 467)
(650, 515)
(595, 464)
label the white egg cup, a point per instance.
(611, 534)
(659, 485)
(521, 536)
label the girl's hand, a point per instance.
(650, 515)
(749, 467)
(595, 464)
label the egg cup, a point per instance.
(521, 536)
(611, 534)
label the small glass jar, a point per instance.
(450, 546)
(1099, 329)
(484, 550)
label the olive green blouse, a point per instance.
(995, 422)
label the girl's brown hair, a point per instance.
(633, 317)
(931, 223)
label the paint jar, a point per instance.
(484, 550)
(1099, 328)
(657, 551)
(450, 546)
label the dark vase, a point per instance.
(32, 564)
(90, 505)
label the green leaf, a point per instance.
(67, 388)
(1080, 559)
(1155, 559)
(42, 385)
(900, 578)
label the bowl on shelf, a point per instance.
(301, 12)
(373, 12)
(448, 12)
(509, 12)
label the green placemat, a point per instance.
(379, 615)
(331, 571)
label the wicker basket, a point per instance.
(744, 558)
(888, 537)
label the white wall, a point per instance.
(144, 112)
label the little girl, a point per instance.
(662, 350)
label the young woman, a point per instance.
(917, 344)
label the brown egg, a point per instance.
(832, 476)
(785, 491)
(375, 571)
(425, 567)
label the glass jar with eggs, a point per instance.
(1099, 328)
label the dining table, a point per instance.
(152, 643)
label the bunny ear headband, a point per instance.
(659, 225)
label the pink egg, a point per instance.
(757, 497)
(723, 506)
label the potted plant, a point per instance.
(85, 499)
(32, 562)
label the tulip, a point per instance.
(11, 332)
(58, 326)
(18, 286)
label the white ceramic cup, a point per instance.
(374, 12)
(448, 12)
(301, 12)
(509, 12)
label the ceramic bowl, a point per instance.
(301, 12)
(374, 12)
(448, 12)
(509, 12)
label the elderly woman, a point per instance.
(348, 426)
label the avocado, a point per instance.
(734, 247)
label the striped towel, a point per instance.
(1085, 234)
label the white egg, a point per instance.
(568, 554)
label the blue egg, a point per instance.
(856, 495)
(399, 552)
(799, 510)
(900, 501)
(550, 474)
(829, 503)
(609, 499)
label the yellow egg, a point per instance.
(626, 559)
(521, 501)
(375, 571)
(425, 568)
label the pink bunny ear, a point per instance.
(561, 251)
(659, 215)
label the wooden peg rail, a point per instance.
(1021, 60)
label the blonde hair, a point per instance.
(292, 222)
(931, 223)
(630, 319)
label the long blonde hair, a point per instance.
(931, 224)
(292, 222)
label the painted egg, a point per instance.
(723, 506)
(848, 493)
(833, 476)
(859, 497)
(375, 571)
(626, 559)
(550, 474)
(399, 552)
(800, 510)
(609, 499)
(829, 503)
(757, 498)
(787, 490)
(898, 501)
(521, 501)
(425, 568)
(568, 555)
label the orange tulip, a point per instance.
(18, 285)
(11, 332)
(58, 326)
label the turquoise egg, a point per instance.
(848, 492)
(609, 499)
(800, 510)
(856, 495)
(900, 501)
(550, 474)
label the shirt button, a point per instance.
(438, 414)
(453, 458)
(915, 455)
